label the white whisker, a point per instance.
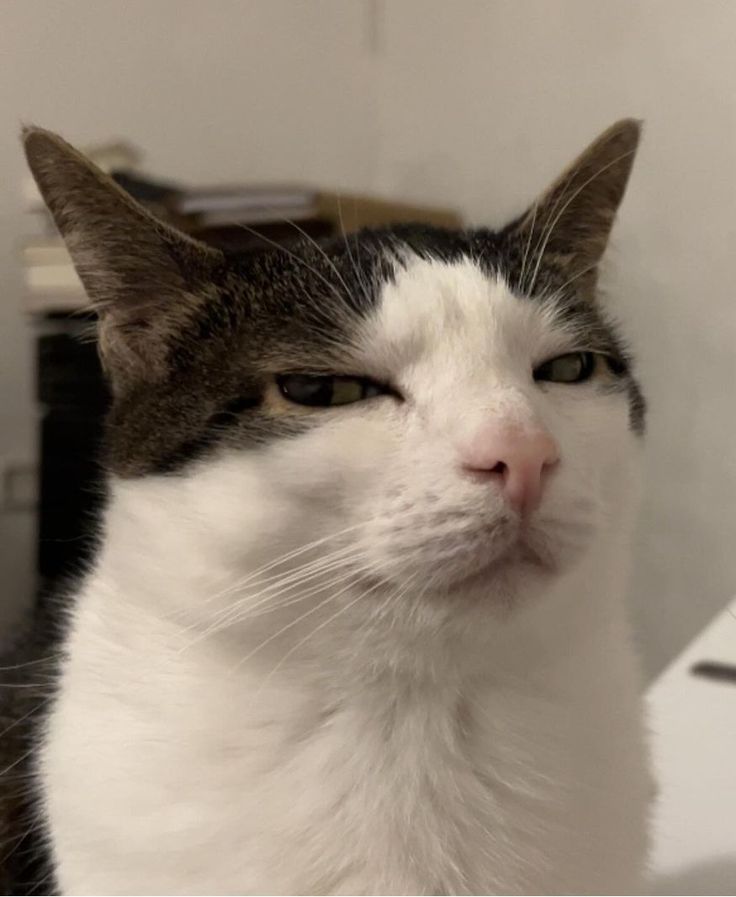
(282, 559)
(292, 579)
(293, 623)
(292, 255)
(22, 719)
(28, 663)
(353, 262)
(321, 251)
(314, 631)
(527, 247)
(270, 605)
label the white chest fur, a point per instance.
(169, 771)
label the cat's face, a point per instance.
(409, 471)
(480, 415)
(447, 410)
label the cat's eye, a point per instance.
(574, 367)
(323, 391)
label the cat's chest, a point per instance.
(245, 789)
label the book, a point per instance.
(253, 215)
(41, 278)
(240, 199)
(48, 251)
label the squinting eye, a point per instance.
(575, 367)
(324, 391)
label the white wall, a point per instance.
(474, 103)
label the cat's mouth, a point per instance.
(523, 556)
(502, 552)
(470, 562)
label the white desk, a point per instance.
(693, 723)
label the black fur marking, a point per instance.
(30, 675)
(637, 407)
(294, 309)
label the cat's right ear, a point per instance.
(565, 233)
(144, 278)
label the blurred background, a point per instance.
(470, 106)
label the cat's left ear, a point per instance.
(566, 231)
(145, 279)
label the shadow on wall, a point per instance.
(716, 876)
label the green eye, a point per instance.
(325, 391)
(575, 367)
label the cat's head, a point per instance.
(441, 408)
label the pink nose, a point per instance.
(514, 457)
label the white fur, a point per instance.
(390, 732)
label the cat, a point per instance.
(356, 624)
